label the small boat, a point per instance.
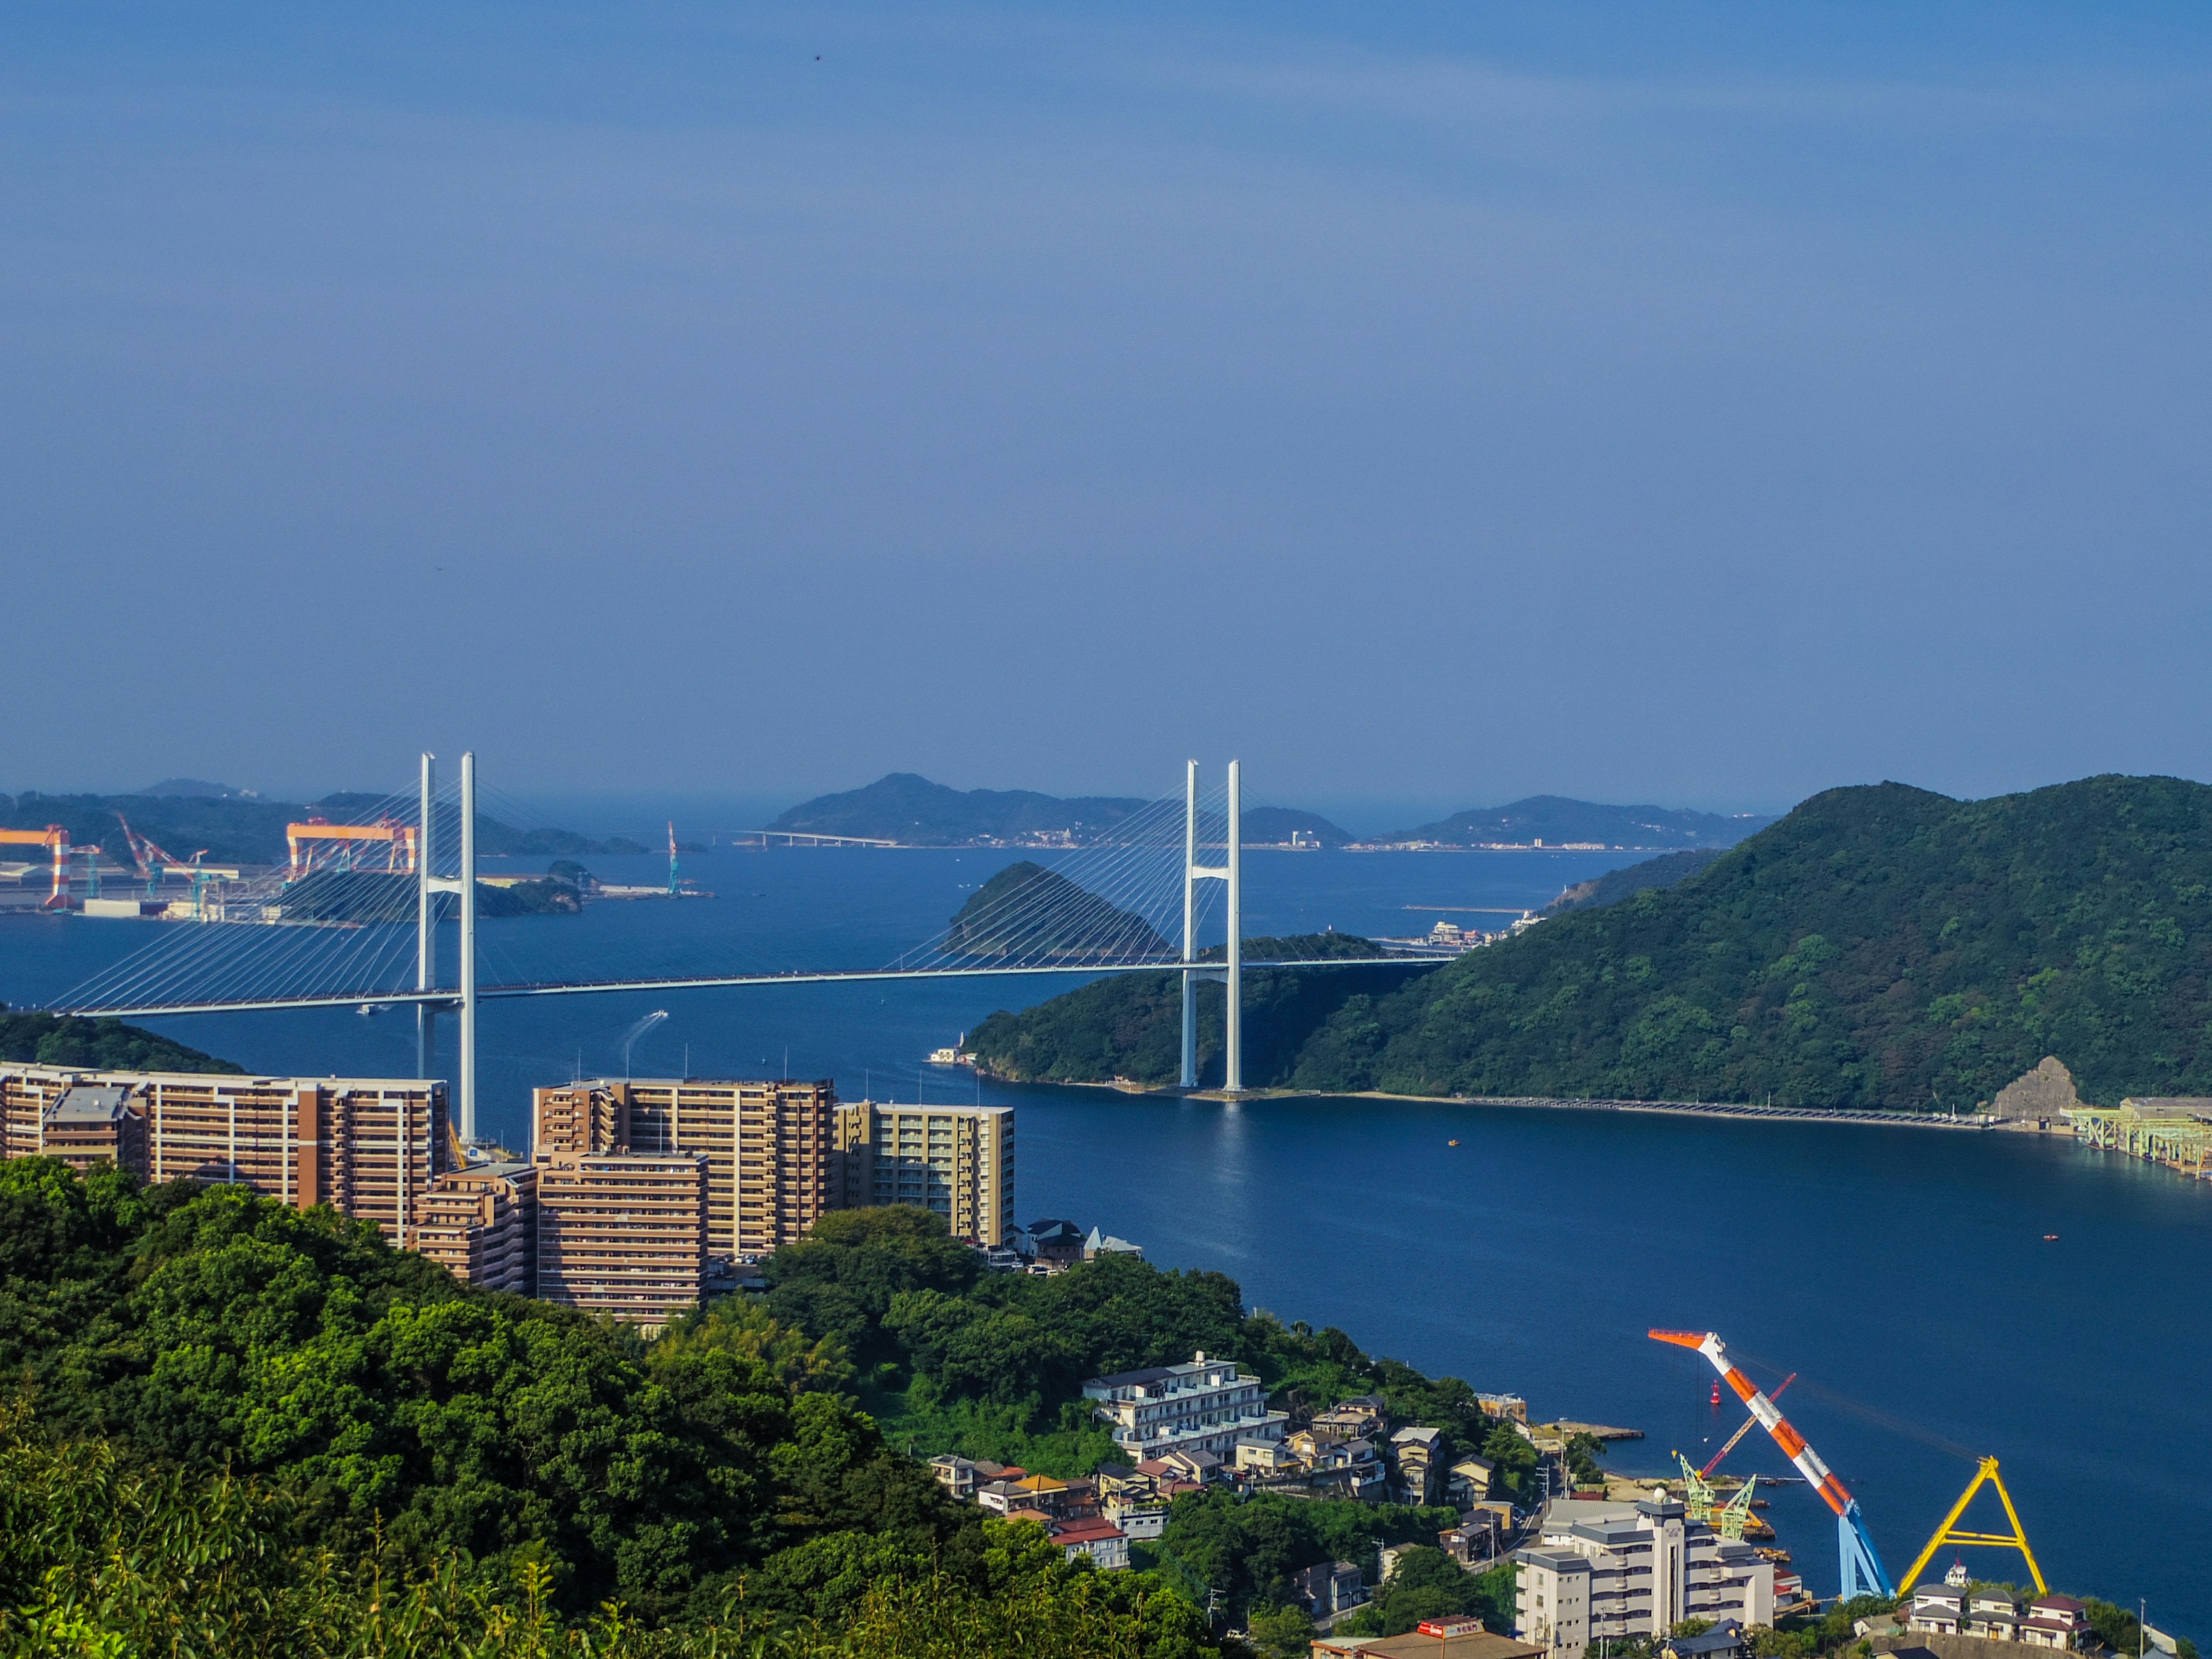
(2050, 1238)
(952, 1055)
(1451, 1143)
(370, 1009)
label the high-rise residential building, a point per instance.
(369, 1147)
(482, 1223)
(958, 1161)
(767, 1145)
(623, 1234)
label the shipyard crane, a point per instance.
(56, 838)
(153, 861)
(1863, 1573)
(1749, 1423)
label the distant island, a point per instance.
(1881, 946)
(910, 809)
(1556, 821)
(184, 815)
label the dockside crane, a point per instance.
(1749, 1423)
(56, 839)
(1863, 1573)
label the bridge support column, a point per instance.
(426, 917)
(1233, 1012)
(1230, 871)
(1189, 923)
(462, 887)
(467, 1066)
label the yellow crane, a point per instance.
(1947, 1532)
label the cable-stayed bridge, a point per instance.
(356, 915)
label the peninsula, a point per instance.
(1881, 947)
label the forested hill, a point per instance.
(1130, 1026)
(1627, 883)
(1029, 911)
(247, 830)
(1879, 946)
(106, 1045)
(1557, 821)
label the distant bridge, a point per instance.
(446, 1000)
(1052, 923)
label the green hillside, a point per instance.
(1555, 820)
(1131, 1025)
(1880, 946)
(106, 1045)
(1029, 911)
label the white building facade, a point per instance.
(1611, 1571)
(1208, 1405)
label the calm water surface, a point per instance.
(1903, 1274)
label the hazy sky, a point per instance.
(1688, 403)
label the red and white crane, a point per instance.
(1863, 1573)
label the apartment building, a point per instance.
(623, 1234)
(1605, 1570)
(481, 1223)
(958, 1161)
(369, 1147)
(1206, 1405)
(767, 1145)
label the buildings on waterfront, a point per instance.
(623, 1234)
(956, 1160)
(635, 1190)
(481, 1223)
(369, 1147)
(1602, 1572)
(767, 1145)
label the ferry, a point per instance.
(954, 1055)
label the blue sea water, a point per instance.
(1903, 1274)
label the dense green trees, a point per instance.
(299, 1414)
(1246, 1551)
(97, 1044)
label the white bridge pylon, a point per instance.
(1231, 873)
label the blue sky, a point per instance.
(1698, 404)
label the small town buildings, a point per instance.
(1473, 1542)
(2055, 1621)
(1511, 1406)
(1601, 1571)
(1055, 1244)
(1938, 1609)
(1106, 1544)
(1434, 1638)
(1357, 1419)
(1725, 1640)
(1102, 1243)
(1206, 1405)
(1469, 1481)
(1415, 1452)
(1328, 1587)
(956, 1475)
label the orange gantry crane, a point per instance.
(53, 835)
(398, 840)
